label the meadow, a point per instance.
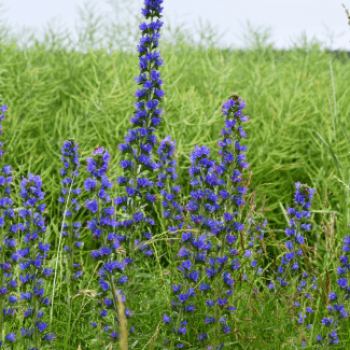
(298, 131)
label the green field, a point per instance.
(299, 128)
(297, 102)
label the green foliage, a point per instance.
(55, 95)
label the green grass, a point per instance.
(56, 95)
(298, 129)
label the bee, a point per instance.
(234, 96)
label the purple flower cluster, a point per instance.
(337, 311)
(253, 255)
(224, 261)
(207, 258)
(296, 271)
(303, 302)
(231, 190)
(32, 262)
(69, 201)
(343, 269)
(139, 142)
(103, 225)
(3, 109)
(299, 226)
(169, 189)
(134, 231)
(233, 159)
(193, 254)
(8, 256)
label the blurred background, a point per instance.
(283, 22)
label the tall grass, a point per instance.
(298, 129)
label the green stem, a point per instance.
(177, 327)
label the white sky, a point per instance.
(288, 19)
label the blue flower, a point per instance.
(11, 337)
(92, 205)
(34, 229)
(49, 337)
(327, 321)
(342, 282)
(90, 184)
(41, 326)
(8, 255)
(137, 148)
(102, 225)
(226, 329)
(138, 216)
(166, 319)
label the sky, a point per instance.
(288, 20)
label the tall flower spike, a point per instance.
(102, 226)
(230, 169)
(69, 201)
(32, 269)
(137, 149)
(173, 214)
(290, 262)
(194, 253)
(138, 165)
(169, 189)
(339, 296)
(290, 275)
(8, 254)
(233, 160)
(227, 193)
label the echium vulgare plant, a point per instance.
(208, 254)
(136, 199)
(232, 190)
(8, 254)
(69, 201)
(184, 324)
(338, 307)
(138, 164)
(170, 190)
(102, 226)
(296, 275)
(168, 187)
(223, 260)
(33, 255)
(70, 227)
(173, 216)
